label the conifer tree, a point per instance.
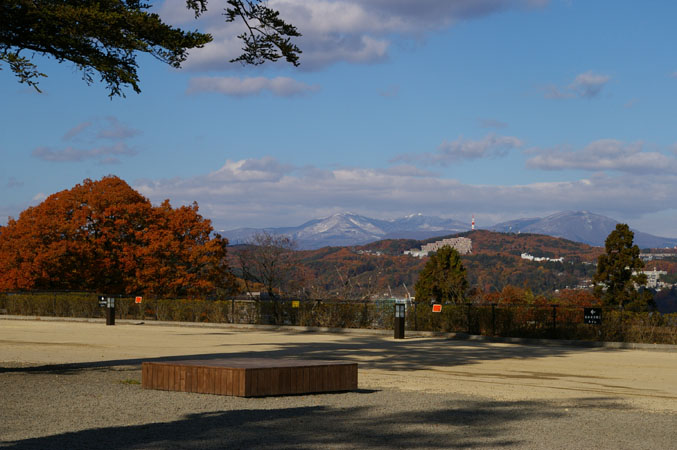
(618, 272)
(443, 279)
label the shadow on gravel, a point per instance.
(370, 351)
(452, 424)
(413, 354)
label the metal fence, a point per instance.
(508, 320)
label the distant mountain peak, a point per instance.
(579, 226)
(348, 229)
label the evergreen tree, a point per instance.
(443, 279)
(618, 272)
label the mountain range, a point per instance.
(347, 229)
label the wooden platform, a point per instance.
(250, 377)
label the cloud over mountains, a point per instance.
(268, 192)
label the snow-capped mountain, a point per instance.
(418, 226)
(579, 226)
(346, 229)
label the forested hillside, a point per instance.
(381, 269)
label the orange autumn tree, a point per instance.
(104, 236)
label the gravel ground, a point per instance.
(75, 407)
(66, 385)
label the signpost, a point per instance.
(592, 316)
(437, 307)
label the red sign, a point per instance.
(138, 299)
(437, 307)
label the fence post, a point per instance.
(469, 318)
(415, 317)
(493, 319)
(554, 321)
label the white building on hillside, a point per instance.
(461, 244)
(652, 277)
(541, 258)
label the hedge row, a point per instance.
(505, 320)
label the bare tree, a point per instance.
(269, 260)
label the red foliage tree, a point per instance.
(104, 236)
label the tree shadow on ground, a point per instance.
(371, 352)
(447, 424)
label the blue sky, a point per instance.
(502, 109)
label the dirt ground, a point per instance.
(641, 379)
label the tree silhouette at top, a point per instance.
(104, 37)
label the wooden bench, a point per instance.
(250, 377)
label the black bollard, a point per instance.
(399, 320)
(110, 311)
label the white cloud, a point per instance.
(266, 169)
(109, 128)
(76, 130)
(355, 31)
(490, 146)
(604, 155)
(241, 87)
(265, 192)
(99, 138)
(114, 130)
(70, 154)
(589, 84)
(555, 93)
(13, 183)
(585, 85)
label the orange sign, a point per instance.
(138, 299)
(437, 307)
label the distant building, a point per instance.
(461, 244)
(652, 277)
(369, 252)
(541, 258)
(652, 256)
